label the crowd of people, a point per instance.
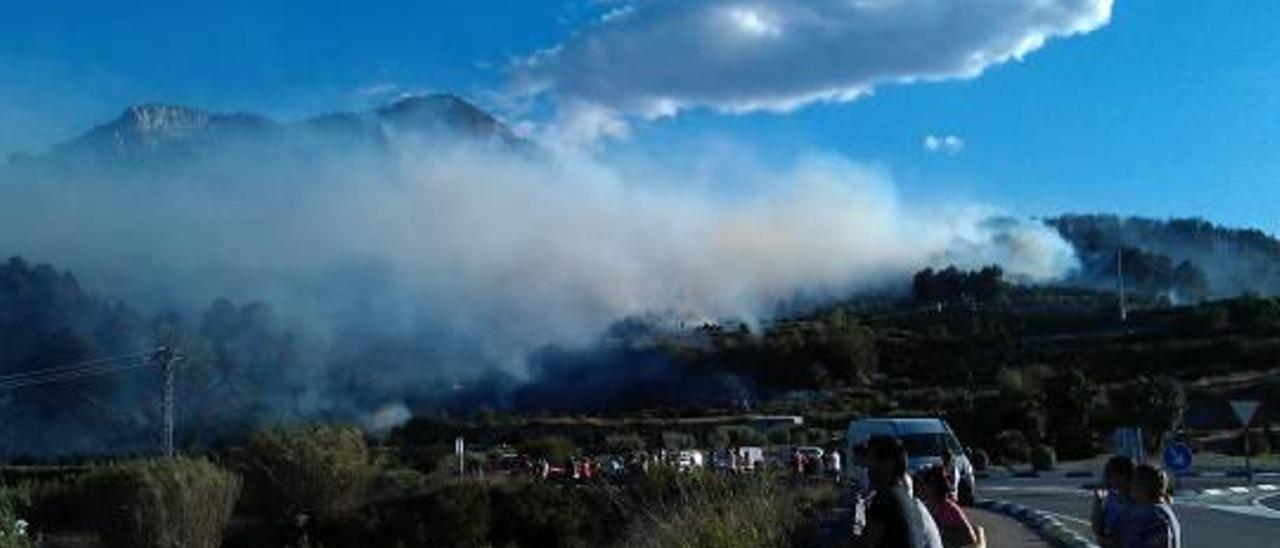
(894, 509)
(1133, 509)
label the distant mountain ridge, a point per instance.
(157, 131)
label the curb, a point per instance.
(1048, 527)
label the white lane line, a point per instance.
(1267, 487)
(1255, 511)
(1073, 519)
(1044, 490)
(1213, 492)
(1257, 501)
(1238, 489)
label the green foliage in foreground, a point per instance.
(162, 504)
(315, 470)
(14, 532)
(717, 511)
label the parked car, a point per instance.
(925, 440)
(689, 459)
(750, 457)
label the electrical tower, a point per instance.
(164, 358)
(167, 361)
(1124, 306)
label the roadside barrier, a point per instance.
(1044, 524)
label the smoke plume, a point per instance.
(433, 261)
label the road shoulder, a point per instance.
(1005, 532)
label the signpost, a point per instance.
(1245, 410)
(1177, 458)
(1128, 442)
(460, 448)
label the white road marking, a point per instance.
(1238, 489)
(1044, 490)
(1267, 487)
(1065, 517)
(1213, 492)
(1257, 502)
(1255, 511)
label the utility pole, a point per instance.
(167, 359)
(1124, 307)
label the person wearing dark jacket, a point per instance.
(893, 518)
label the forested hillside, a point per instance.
(1186, 259)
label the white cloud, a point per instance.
(945, 144)
(654, 58)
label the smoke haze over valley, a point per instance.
(425, 227)
(428, 254)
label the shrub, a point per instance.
(537, 514)
(1043, 458)
(162, 503)
(624, 444)
(14, 531)
(319, 470)
(556, 449)
(1259, 443)
(1011, 446)
(979, 459)
(678, 440)
(455, 515)
(720, 512)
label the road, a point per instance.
(1005, 532)
(1222, 518)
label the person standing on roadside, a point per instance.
(1111, 504)
(893, 519)
(1151, 522)
(932, 486)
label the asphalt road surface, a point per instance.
(1004, 532)
(1223, 518)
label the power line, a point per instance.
(68, 375)
(74, 366)
(163, 356)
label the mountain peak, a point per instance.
(162, 131)
(150, 117)
(447, 110)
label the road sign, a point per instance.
(1177, 458)
(1128, 442)
(1245, 410)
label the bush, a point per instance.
(624, 444)
(675, 441)
(537, 514)
(454, 516)
(557, 450)
(319, 470)
(14, 531)
(979, 459)
(162, 504)
(1043, 458)
(715, 511)
(1011, 446)
(1259, 443)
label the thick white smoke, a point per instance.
(512, 250)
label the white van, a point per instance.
(925, 440)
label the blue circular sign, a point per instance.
(1177, 457)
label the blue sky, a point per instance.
(1169, 109)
